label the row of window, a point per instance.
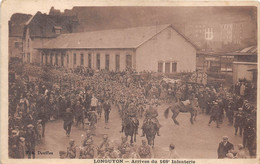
(89, 63)
(167, 68)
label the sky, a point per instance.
(10, 7)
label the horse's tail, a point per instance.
(166, 112)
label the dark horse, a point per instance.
(130, 128)
(150, 131)
(181, 107)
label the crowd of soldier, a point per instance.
(32, 104)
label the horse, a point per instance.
(130, 128)
(181, 107)
(150, 131)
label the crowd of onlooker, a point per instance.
(34, 101)
(245, 89)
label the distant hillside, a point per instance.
(98, 18)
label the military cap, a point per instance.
(89, 141)
(240, 146)
(14, 131)
(22, 139)
(72, 141)
(30, 126)
(62, 152)
(225, 137)
(105, 136)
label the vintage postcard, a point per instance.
(129, 82)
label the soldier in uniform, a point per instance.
(127, 154)
(122, 147)
(145, 150)
(131, 113)
(107, 109)
(151, 114)
(71, 150)
(30, 141)
(215, 114)
(230, 112)
(239, 121)
(114, 153)
(78, 112)
(42, 115)
(249, 134)
(68, 120)
(99, 109)
(62, 154)
(88, 137)
(13, 144)
(88, 151)
(104, 146)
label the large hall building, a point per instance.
(154, 48)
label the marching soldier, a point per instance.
(151, 114)
(68, 120)
(114, 153)
(88, 150)
(239, 121)
(88, 137)
(123, 146)
(144, 150)
(249, 133)
(30, 141)
(107, 109)
(230, 112)
(104, 146)
(131, 114)
(215, 114)
(62, 154)
(13, 144)
(71, 150)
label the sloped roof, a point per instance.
(116, 38)
(252, 50)
(41, 25)
(16, 24)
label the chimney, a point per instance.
(57, 30)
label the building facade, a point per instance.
(223, 61)
(154, 48)
(16, 24)
(223, 36)
(41, 28)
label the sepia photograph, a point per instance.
(128, 84)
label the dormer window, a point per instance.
(57, 30)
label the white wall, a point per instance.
(166, 46)
(240, 71)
